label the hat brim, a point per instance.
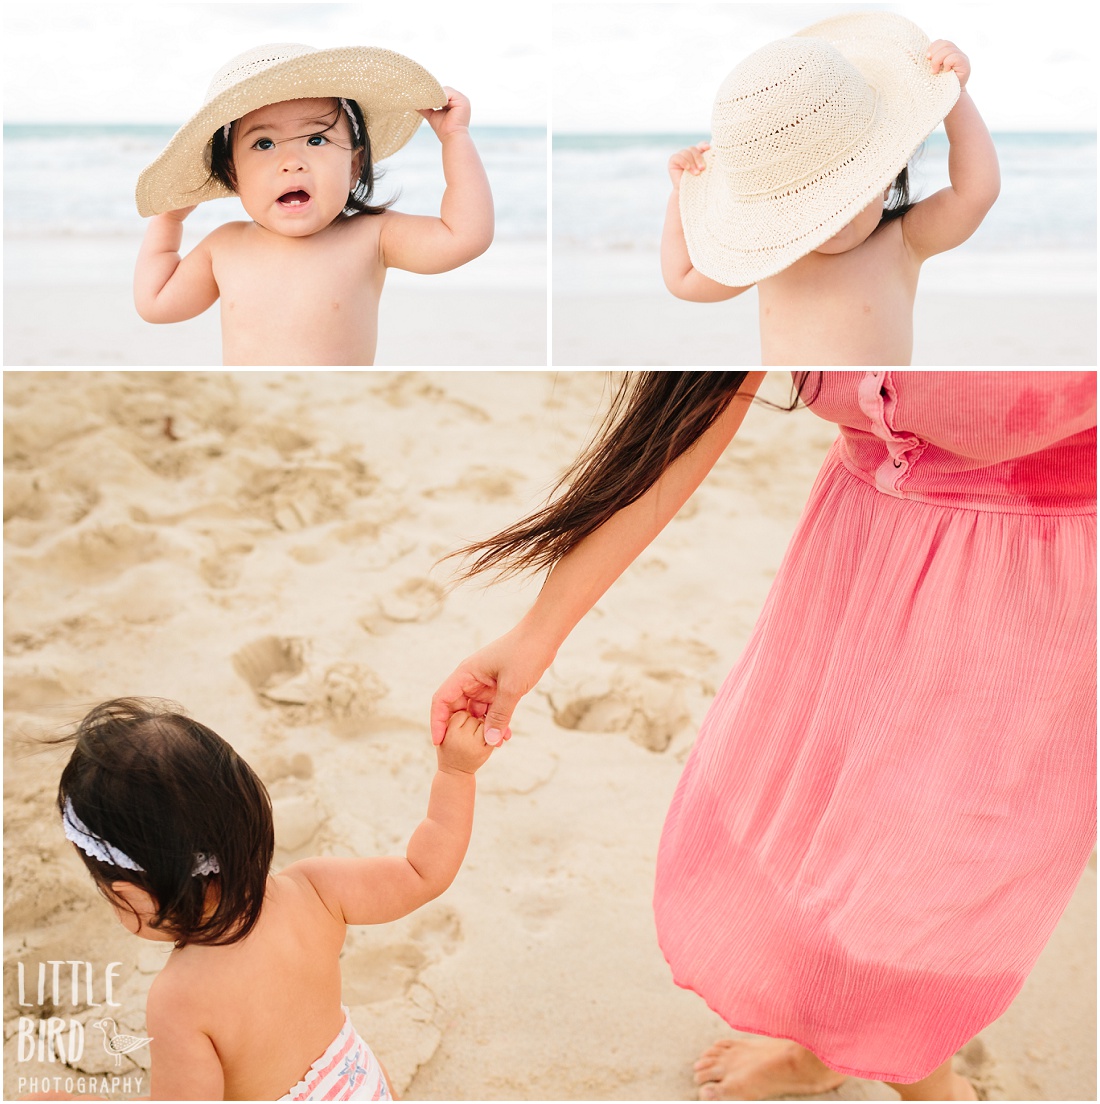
(738, 240)
(389, 88)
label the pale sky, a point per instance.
(617, 65)
(627, 66)
(151, 62)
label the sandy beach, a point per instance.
(262, 548)
(611, 309)
(68, 301)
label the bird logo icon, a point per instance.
(116, 1043)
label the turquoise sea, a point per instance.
(610, 190)
(64, 180)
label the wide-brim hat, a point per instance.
(390, 89)
(807, 132)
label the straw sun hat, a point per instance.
(389, 88)
(807, 132)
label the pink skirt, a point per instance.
(893, 796)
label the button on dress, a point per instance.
(893, 795)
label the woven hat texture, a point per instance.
(389, 88)
(807, 132)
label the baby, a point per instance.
(176, 831)
(812, 136)
(295, 133)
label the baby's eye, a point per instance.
(263, 144)
(316, 140)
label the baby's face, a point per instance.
(294, 168)
(857, 231)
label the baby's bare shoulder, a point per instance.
(230, 235)
(363, 228)
(180, 988)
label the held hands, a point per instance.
(687, 160)
(464, 748)
(490, 683)
(453, 116)
(946, 55)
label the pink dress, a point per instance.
(894, 794)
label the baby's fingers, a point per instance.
(690, 160)
(944, 55)
(465, 726)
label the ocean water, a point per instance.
(78, 181)
(610, 191)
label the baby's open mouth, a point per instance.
(293, 199)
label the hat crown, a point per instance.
(252, 62)
(788, 112)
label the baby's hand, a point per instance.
(180, 214)
(946, 55)
(464, 748)
(454, 115)
(687, 160)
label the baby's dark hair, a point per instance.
(152, 783)
(898, 201)
(220, 152)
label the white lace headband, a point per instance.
(343, 103)
(351, 117)
(77, 831)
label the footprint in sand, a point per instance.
(438, 930)
(276, 669)
(350, 690)
(276, 768)
(296, 496)
(94, 552)
(383, 970)
(415, 600)
(300, 820)
(649, 710)
(379, 969)
(37, 497)
(480, 483)
(269, 661)
(409, 388)
(378, 546)
(536, 905)
(672, 659)
(30, 691)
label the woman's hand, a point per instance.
(490, 683)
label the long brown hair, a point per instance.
(653, 419)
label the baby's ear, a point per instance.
(356, 169)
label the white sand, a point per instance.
(294, 522)
(69, 302)
(611, 309)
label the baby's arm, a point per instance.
(464, 228)
(167, 289)
(948, 217)
(375, 891)
(681, 277)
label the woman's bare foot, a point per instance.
(942, 1084)
(760, 1069)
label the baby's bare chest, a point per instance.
(309, 279)
(313, 304)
